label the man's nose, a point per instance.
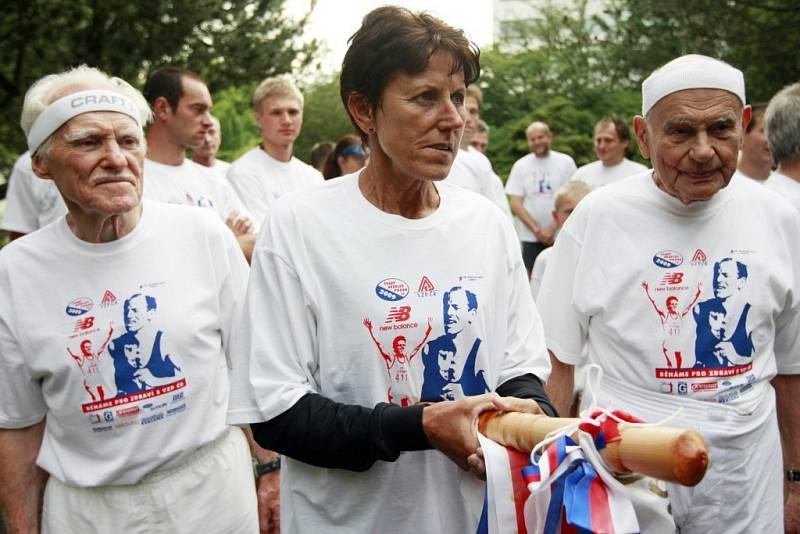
(702, 150)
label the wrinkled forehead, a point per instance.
(689, 105)
(97, 122)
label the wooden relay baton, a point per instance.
(666, 453)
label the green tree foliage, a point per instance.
(758, 36)
(570, 65)
(324, 117)
(229, 42)
(234, 110)
(556, 73)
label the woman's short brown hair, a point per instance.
(393, 39)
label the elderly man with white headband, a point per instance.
(685, 288)
(115, 324)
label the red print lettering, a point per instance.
(398, 314)
(672, 279)
(84, 324)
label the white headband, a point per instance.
(691, 72)
(63, 109)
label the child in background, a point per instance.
(567, 197)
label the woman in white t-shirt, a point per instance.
(388, 257)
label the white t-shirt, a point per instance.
(739, 175)
(122, 396)
(260, 179)
(328, 268)
(596, 174)
(472, 170)
(537, 274)
(785, 186)
(721, 310)
(220, 168)
(191, 184)
(31, 202)
(537, 180)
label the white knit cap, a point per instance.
(692, 71)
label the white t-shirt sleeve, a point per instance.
(21, 208)
(498, 195)
(516, 178)
(21, 400)
(526, 350)
(565, 326)
(787, 324)
(232, 292)
(538, 272)
(250, 192)
(232, 202)
(275, 351)
(571, 168)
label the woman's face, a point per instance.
(419, 120)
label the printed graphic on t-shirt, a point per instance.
(398, 362)
(126, 365)
(541, 183)
(450, 360)
(201, 200)
(671, 316)
(88, 358)
(719, 346)
(140, 363)
(451, 366)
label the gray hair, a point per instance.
(50, 88)
(482, 126)
(782, 124)
(277, 86)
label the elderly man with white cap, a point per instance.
(125, 424)
(724, 256)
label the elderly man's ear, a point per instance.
(40, 167)
(640, 130)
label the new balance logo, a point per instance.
(398, 314)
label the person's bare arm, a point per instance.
(561, 385)
(543, 232)
(268, 488)
(518, 209)
(247, 243)
(786, 388)
(21, 480)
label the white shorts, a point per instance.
(213, 491)
(742, 491)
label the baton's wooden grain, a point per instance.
(667, 453)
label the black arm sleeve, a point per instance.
(528, 387)
(324, 433)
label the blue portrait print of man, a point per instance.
(722, 338)
(136, 370)
(449, 360)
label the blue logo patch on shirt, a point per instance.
(79, 306)
(391, 289)
(667, 259)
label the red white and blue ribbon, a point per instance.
(570, 488)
